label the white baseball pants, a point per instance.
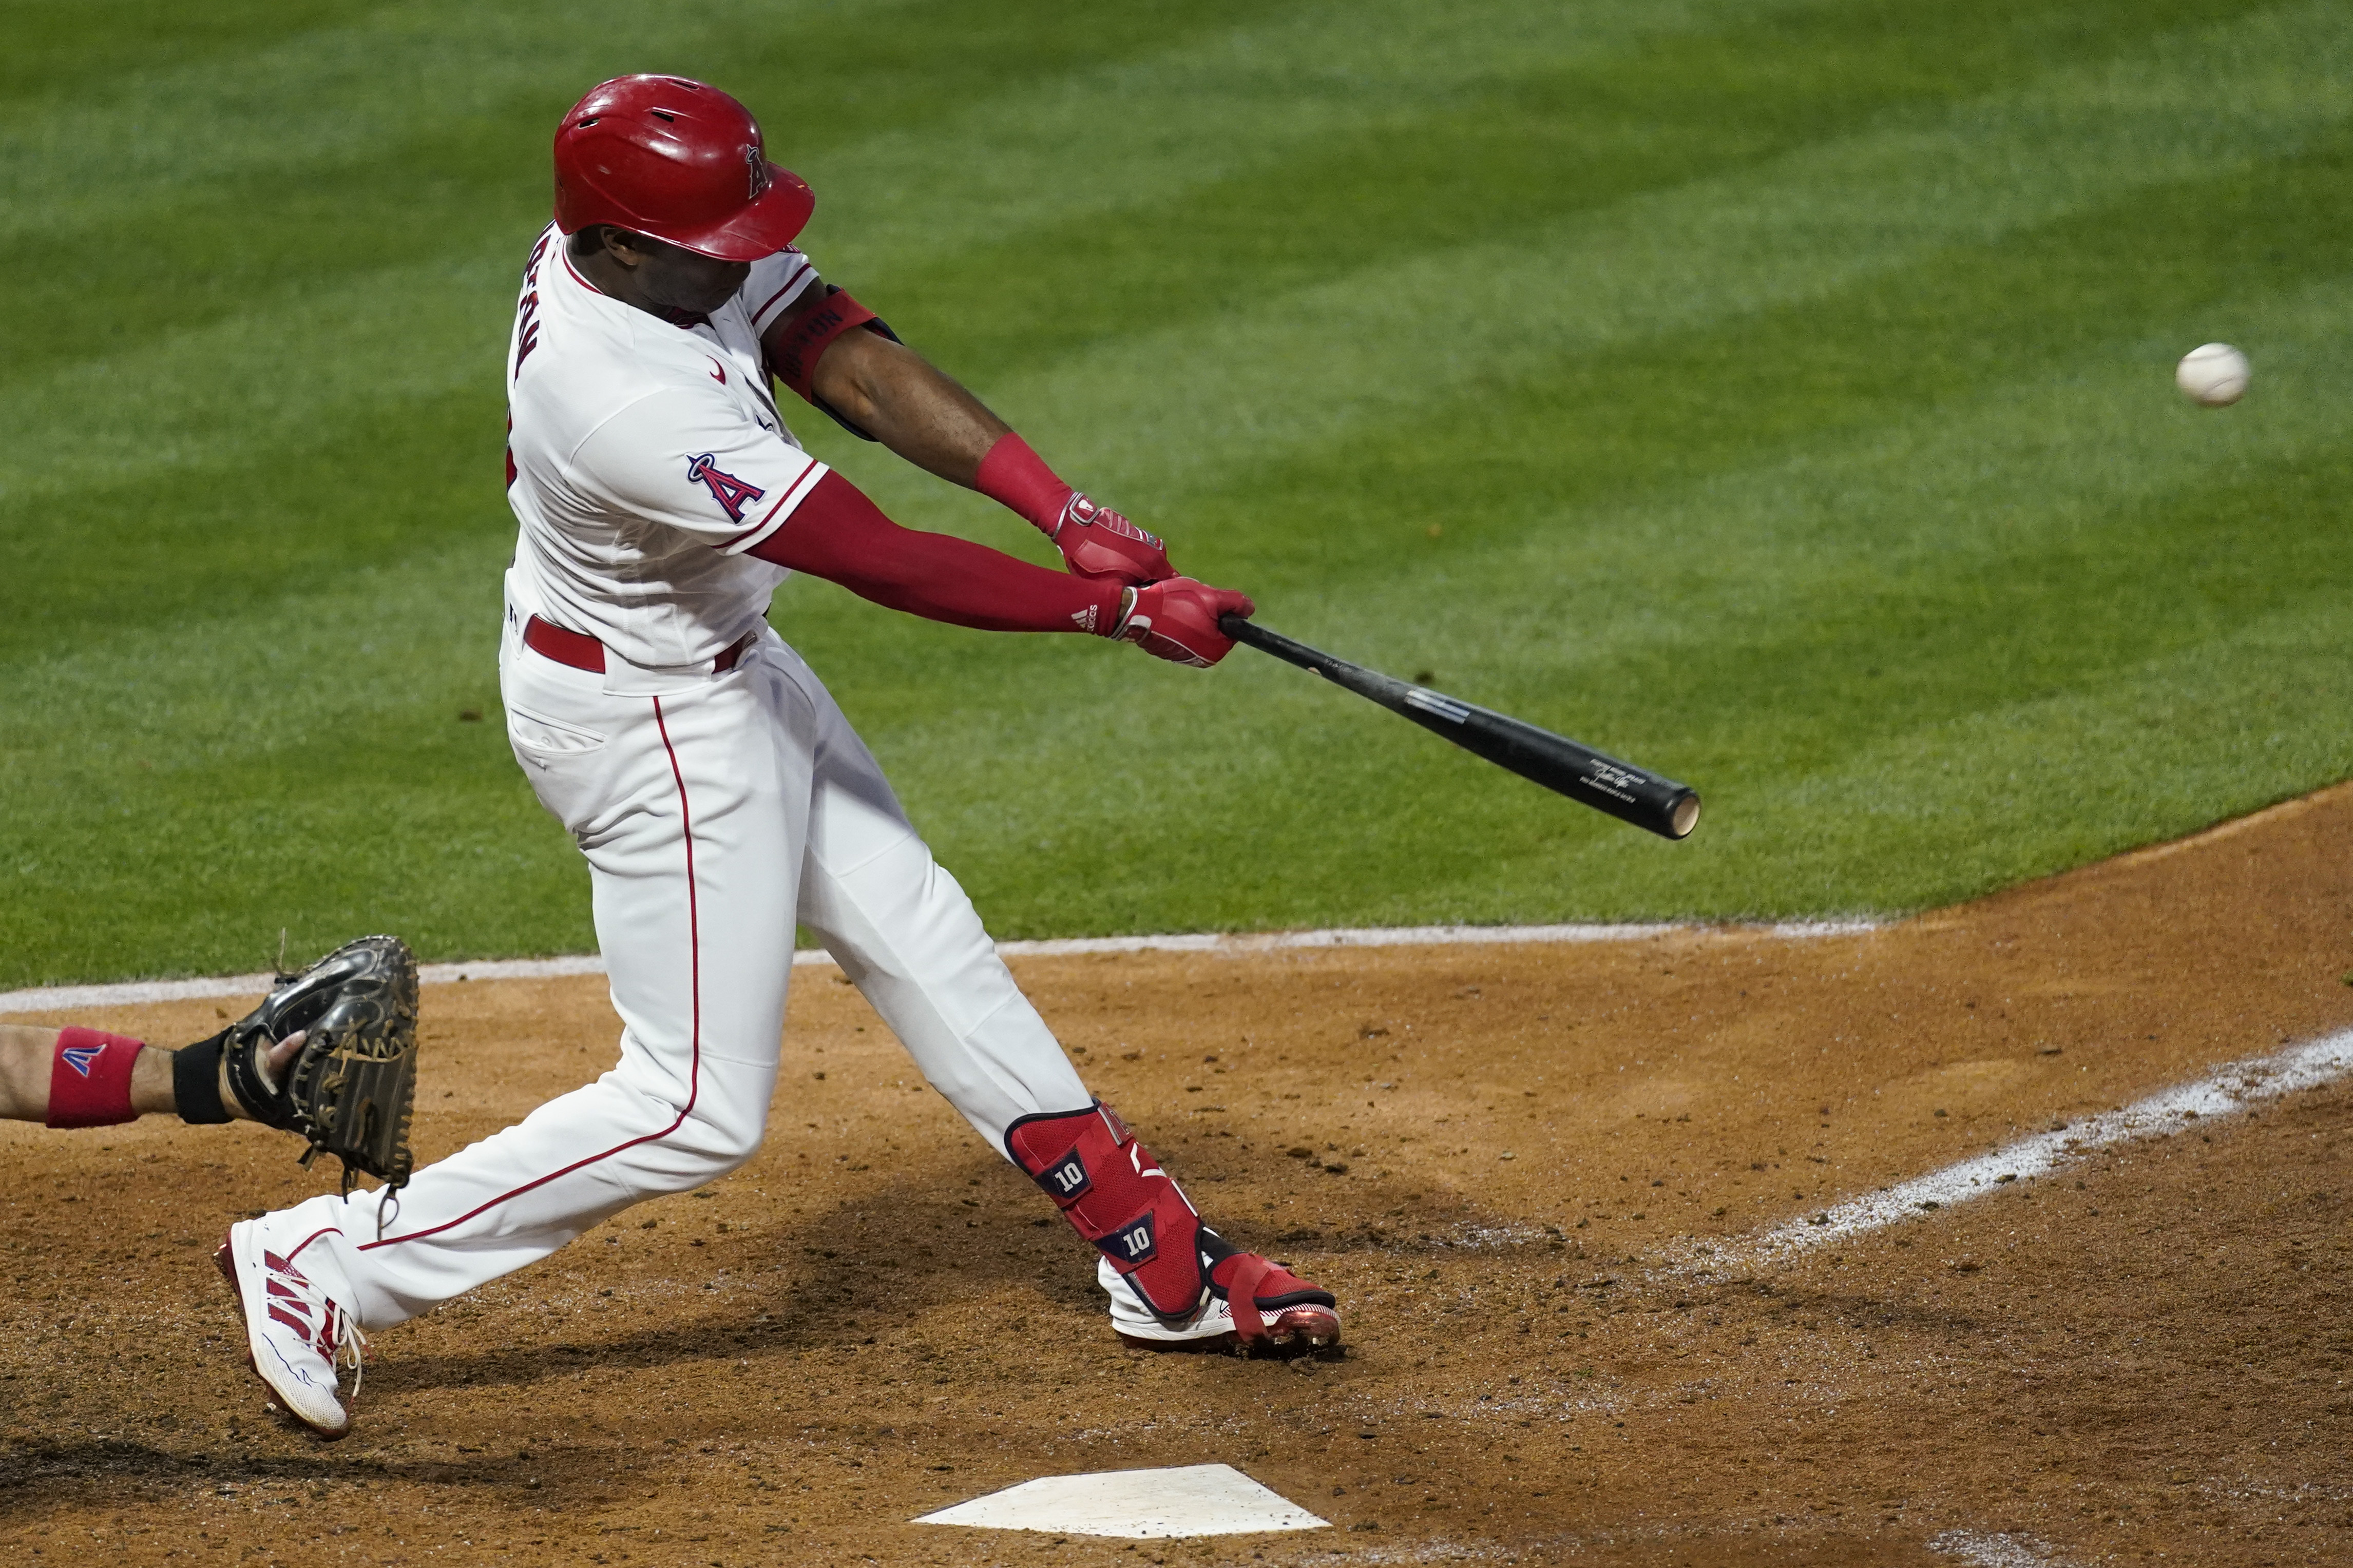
(716, 811)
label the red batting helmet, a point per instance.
(679, 161)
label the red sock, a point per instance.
(90, 1081)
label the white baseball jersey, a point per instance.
(645, 459)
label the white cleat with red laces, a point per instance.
(296, 1332)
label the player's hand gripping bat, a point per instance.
(1583, 775)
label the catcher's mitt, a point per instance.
(351, 1085)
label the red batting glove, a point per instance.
(1177, 620)
(1096, 542)
(1099, 544)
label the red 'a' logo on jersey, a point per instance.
(733, 493)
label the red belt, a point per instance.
(582, 651)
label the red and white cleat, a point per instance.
(1173, 1282)
(1251, 1303)
(295, 1331)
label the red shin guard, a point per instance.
(90, 1078)
(1116, 1194)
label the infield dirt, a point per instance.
(1488, 1152)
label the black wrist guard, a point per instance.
(196, 1082)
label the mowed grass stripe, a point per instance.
(286, 398)
(203, 784)
(1348, 831)
(1109, 180)
(1765, 625)
(319, 97)
(1284, 373)
(1997, 797)
(1439, 163)
(1744, 461)
(1071, 148)
(252, 386)
(57, 54)
(933, 127)
(1701, 622)
(1077, 162)
(1573, 101)
(1161, 413)
(430, 149)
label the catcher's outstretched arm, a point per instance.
(31, 1059)
(331, 1054)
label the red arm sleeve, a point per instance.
(838, 534)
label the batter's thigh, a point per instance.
(904, 933)
(691, 806)
(694, 826)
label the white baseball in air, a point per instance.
(2214, 376)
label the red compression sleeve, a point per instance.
(1017, 479)
(794, 355)
(839, 535)
(90, 1078)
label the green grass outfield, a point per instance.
(1775, 393)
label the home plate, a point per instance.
(1189, 1500)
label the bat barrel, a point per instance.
(1631, 794)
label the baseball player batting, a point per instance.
(716, 789)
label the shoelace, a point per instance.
(291, 1290)
(339, 1333)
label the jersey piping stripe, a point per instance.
(695, 991)
(775, 517)
(792, 285)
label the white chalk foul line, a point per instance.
(139, 993)
(1414, 936)
(2227, 1090)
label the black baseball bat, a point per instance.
(1585, 775)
